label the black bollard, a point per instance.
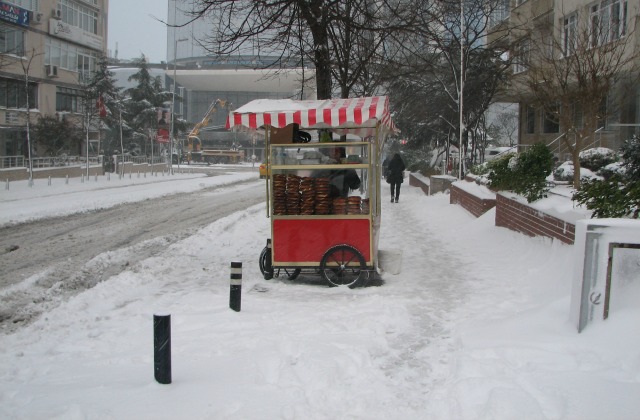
(236, 286)
(162, 348)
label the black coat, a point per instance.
(396, 168)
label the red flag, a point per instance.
(162, 136)
(102, 110)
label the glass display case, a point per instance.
(320, 179)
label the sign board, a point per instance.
(14, 14)
(605, 268)
(11, 117)
(163, 135)
(72, 33)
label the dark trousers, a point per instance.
(395, 187)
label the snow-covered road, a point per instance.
(65, 255)
(475, 326)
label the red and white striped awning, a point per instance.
(359, 116)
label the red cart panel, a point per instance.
(306, 241)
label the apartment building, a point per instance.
(51, 46)
(557, 25)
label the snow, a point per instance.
(475, 326)
(478, 190)
(20, 203)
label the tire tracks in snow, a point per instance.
(61, 257)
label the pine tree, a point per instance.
(145, 100)
(107, 98)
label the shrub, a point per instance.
(612, 169)
(597, 157)
(423, 168)
(614, 197)
(525, 174)
(618, 195)
(564, 172)
(631, 157)
(481, 169)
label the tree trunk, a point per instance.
(323, 72)
(575, 157)
(315, 15)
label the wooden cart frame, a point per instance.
(342, 248)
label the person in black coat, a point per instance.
(395, 176)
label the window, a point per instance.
(578, 116)
(500, 12)
(603, 113)
(550, 123)
(33, 5)
(521, 59)
(569, 34)
(11, 40)
(69, 100)
(13, 95)
(531, 120)
(76, 14)
(608, 21)
(70, 57)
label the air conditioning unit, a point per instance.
(56, 14)
(35, 18)
(51, 71)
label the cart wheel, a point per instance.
(266, 273)
(292, 274)
(343, 265)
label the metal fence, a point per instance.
(64, 160)
(12, 162)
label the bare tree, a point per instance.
(572, 77)
(504, 128)
(26, 68)
(341, 38)
(446, 60)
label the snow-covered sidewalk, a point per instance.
(474, 326)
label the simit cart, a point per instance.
(323, 221)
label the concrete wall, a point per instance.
(440, 183)
(19, 174)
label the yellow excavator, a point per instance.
(196, 153)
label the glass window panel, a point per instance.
(3, 93)
(12, 95)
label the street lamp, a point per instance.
(173, 104)
(461, 93)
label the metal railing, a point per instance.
(137, 160)
(12, 162)
(7, 162)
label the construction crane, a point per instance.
(194, 145)
(193, 139)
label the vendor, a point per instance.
(341, 180)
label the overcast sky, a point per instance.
(134, 27)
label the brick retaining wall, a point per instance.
(524, 219)
(415, 182)
(473, 204)
(510, 213)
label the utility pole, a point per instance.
(173, 102)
